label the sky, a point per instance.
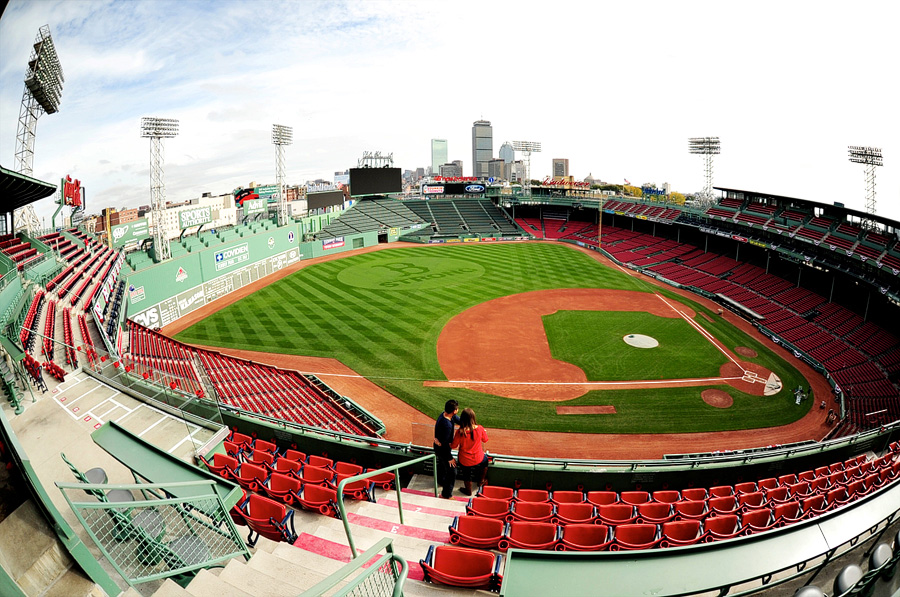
(615, 87)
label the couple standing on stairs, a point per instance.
(469, 439)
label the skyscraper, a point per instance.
(438, 155)
(507, 153)
(482, 147)
(560, 167)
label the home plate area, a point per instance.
(772, 383)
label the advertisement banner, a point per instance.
(232, 256)
(333, 243)
(71, 191)
(197, 216)
(132, 231)
(254, 206)
(269, 192)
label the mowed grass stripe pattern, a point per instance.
(381, 313)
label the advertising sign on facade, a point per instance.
(268, 192)
(255, 206)
(132, 231)
(71, 191)
(194, 217)
(232, 256)
(333, 243)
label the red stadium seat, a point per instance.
(477, 531)
(320, 461)
(222, 465)
(747, 487)
(721, 491)
(694, 494)
(778, 495)
(281, 486)
(821, 484)
(635, 536)
(347, 468)
(291, 467)
(667, 496)
(813, 505)
(262, 458)
(317, 475)
(585, 537)
(690, 510)
(268, 519)
(634, 497)
(602, 498)
(488, 507)
(530, 511)
(765, 484)
(294, 455)
(361, 489)
(716, 528)
(318, 499)
(496, 492)
(583, 513)
(567, 497)
(264, 446)
(786, 513)
(385, 480)
(756, 521)
(462, 567)
(237, 512)
(529, 535)
(800, 489)
(654, 512)
(751, 501)
(532, 495)
(787, 479)
(723, 505)
(616, 514)
(251, 476)
(682, 532)
(837, 497)
(806, 476)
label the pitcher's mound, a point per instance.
(746, 352)
(640, 341)
(717, 398)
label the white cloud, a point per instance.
(616, 88)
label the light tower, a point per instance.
(527, 148)
(43, 91)
(707, 147)
(157, 129)
(281, 136)
(870, 157)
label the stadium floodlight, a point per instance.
(43, 92)
(375, 159)
(281, 136)
(527, 148)
(157, 129)
(870, 157)
(707, 147)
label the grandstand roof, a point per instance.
(829, 208)
(19, 190)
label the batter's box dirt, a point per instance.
(586, 410)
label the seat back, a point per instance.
(634, 497)
(751, 500)
(567, 497)
(283, 465)
(479, 527)
(616, 513)
(786, 512)
(721, 491)
(581, 513)
(654, 512)
(602, 498)
(532, 495)
(721, 527)
(462, 562)
(586, 537)
(764, 484)
(746, 487)
(694, 493)
(489, 507)
(319, 461)
(264, 446)
(690, 509)
(635, 536)
(496, 492)
(778, 494)
(668, 496)
(294, 455)
(725, 504)
(681, 532)
(531, 511)
(757, 520)
(532, 533)
(265, 516)
(316, 474)
(347, 468)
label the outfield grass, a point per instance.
(380, 313)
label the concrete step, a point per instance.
(457, 503)
(300, 577)
(306, 559)
(30, 552)
(412, 516)
(170, 588)
(260, 584)
(74, 583)
(420, 588)
(206, 584)
(411, 548)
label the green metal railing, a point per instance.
(363, 476)
(381, 578)
(159, 535)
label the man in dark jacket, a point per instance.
(443, 435)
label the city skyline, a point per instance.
(618, 115)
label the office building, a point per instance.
(438, 154)
(482, 147)
(560, 167)
(452, 169)
(507, 153)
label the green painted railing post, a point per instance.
(394, 468)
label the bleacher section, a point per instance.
(370, 215)
(462, 217)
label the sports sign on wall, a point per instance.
(71, 191)
(196, 216)
(255, 206)
(132, 231)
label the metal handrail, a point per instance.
(387, 469)
(322, 587)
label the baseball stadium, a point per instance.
(678, 398)
(684, 384)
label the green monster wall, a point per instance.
(161, 294)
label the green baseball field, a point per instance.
(383, 314)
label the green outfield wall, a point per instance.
(160, 294)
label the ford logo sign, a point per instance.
(474, 188)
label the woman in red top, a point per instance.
(469, 439)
